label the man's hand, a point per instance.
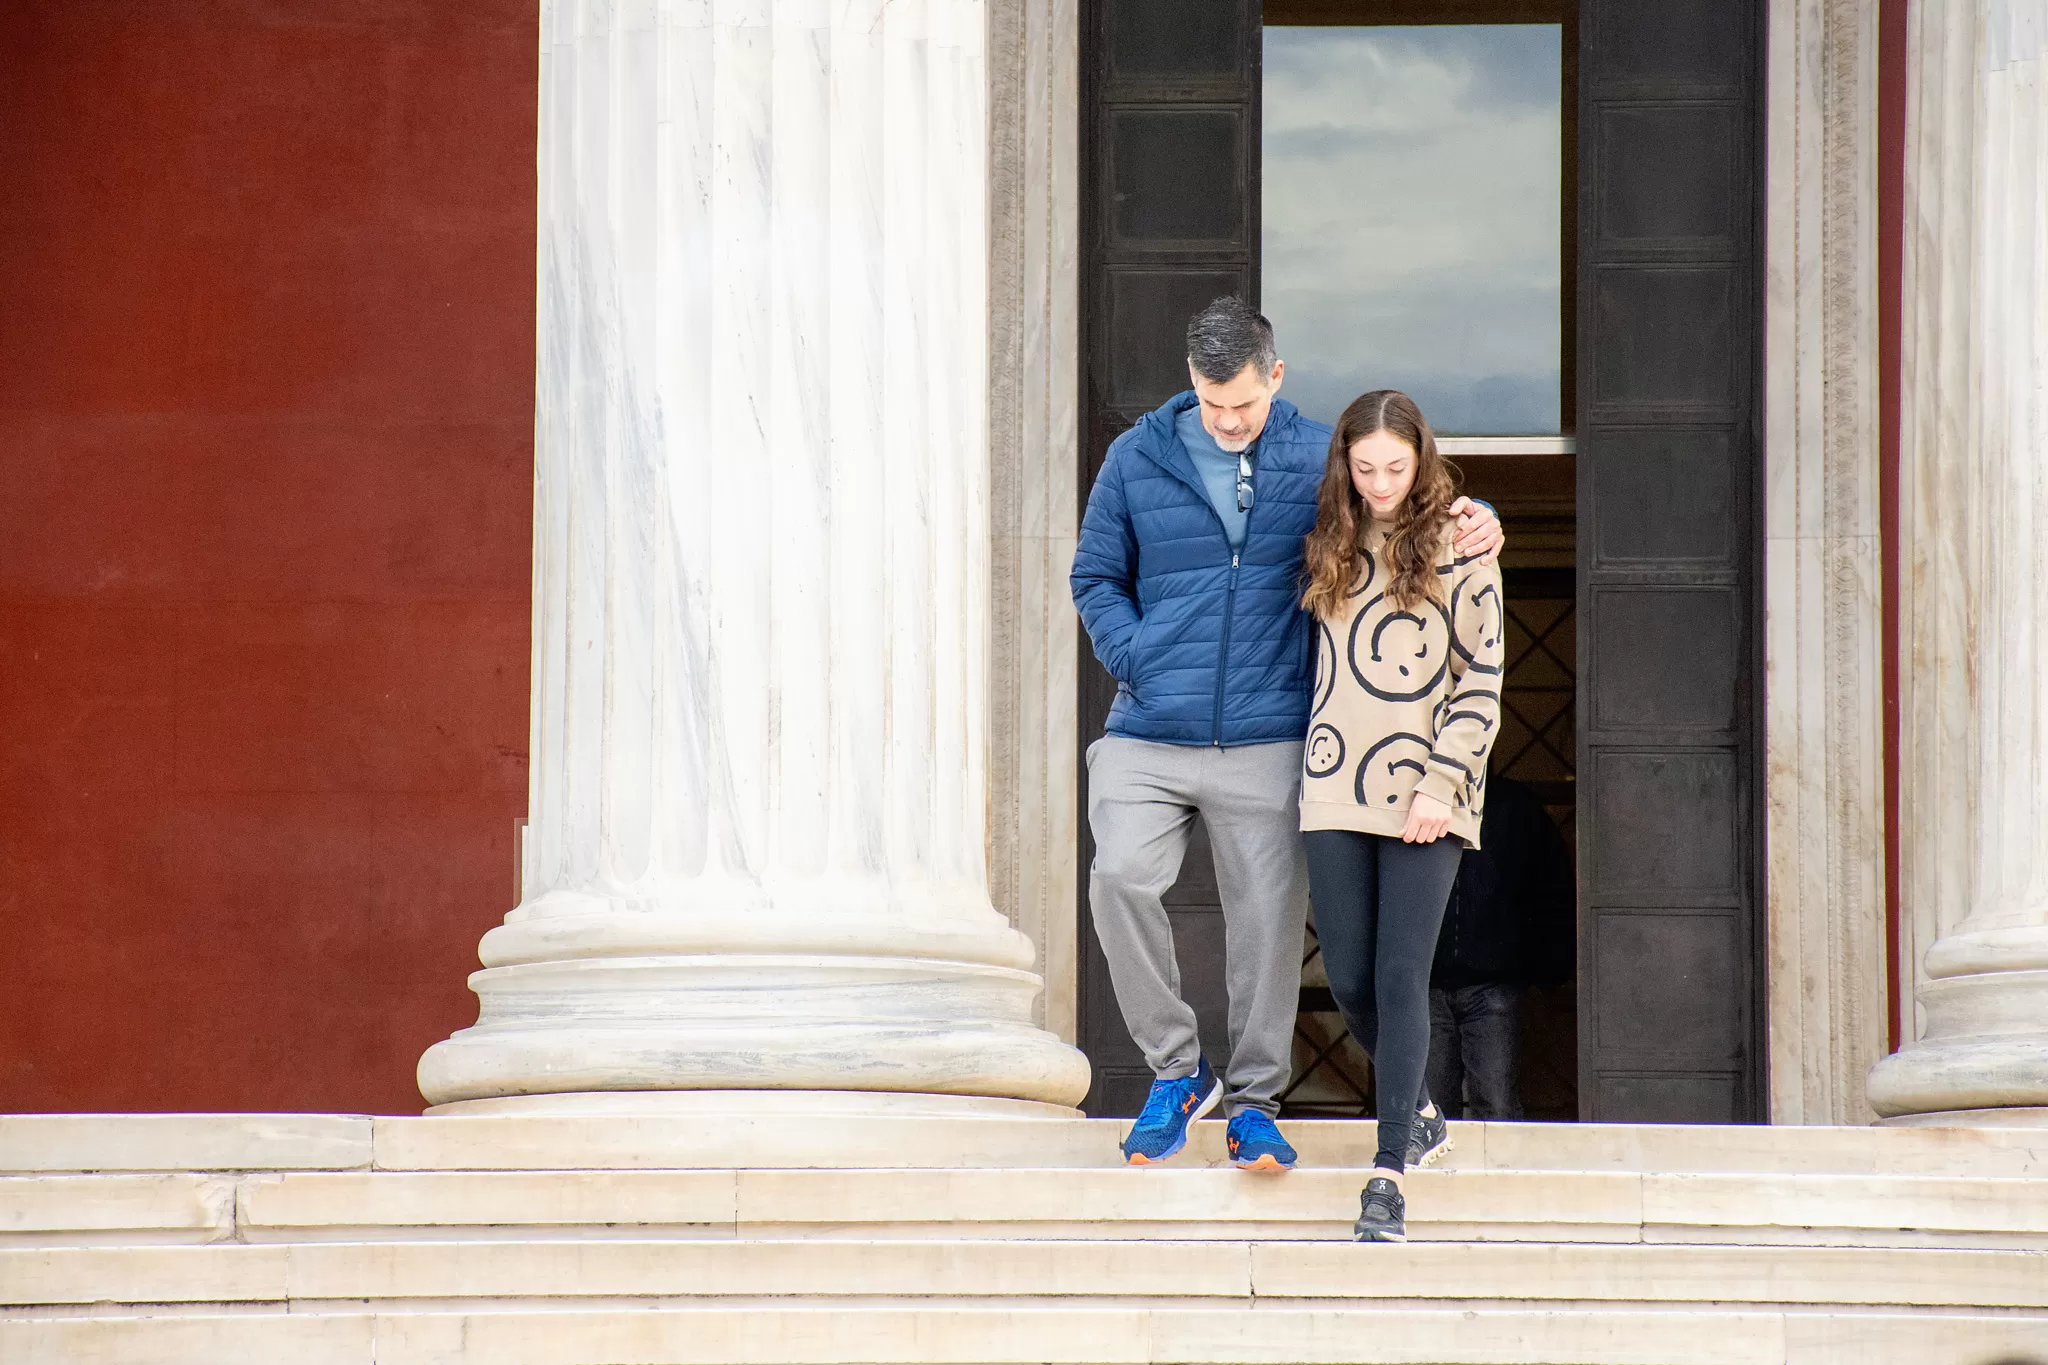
(1479, 531)
(1428, 819)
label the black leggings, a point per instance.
(1379, 904)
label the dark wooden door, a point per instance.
(1169, 221)
(1670, 294)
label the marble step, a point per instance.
(953, 1335)
(55, 1143)
(1115, 1203)
(306, 1275)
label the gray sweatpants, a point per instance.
(1142, 801)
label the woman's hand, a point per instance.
(1428, 821)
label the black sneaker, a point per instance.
(1428, 1140)
(1382, 1213)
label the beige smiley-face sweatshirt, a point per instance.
(1405, 701)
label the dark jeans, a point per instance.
(1379, 905)
(1474, 1033)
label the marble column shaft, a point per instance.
(1974, 505)
(756, 857)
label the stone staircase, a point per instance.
(813, 1234)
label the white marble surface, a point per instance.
(165, 1206)
(183, 1142)
(1974, 497)
(1031, 1203)
(756, 856)
(913, 1330)
(1823, 636)
(1021, 1264)
(1034, 481)
(713, 1270)
(706, 1130)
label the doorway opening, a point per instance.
(1540, 218)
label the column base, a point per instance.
(1986, 1048)
(754, 1022)
(1962, 1075)
(2024, 1116)
(697, 1105)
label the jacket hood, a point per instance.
(1159, 440)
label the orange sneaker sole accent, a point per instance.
(1138, 1159)
(1264, 1163)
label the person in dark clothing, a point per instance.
(1510, 924)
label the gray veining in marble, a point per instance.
(1974, 497)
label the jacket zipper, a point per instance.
(1229, 609)
(1230, 603)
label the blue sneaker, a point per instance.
(1255, 1143)
(1162, 1126)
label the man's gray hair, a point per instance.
(1227, 336)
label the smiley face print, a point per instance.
(1325, 752)
(1326, 670)
(1390, 770)
(1399, 655)
(1478, 615)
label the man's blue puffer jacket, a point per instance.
(1207, 647)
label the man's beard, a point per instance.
(1232, 446)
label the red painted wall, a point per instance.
(266, 394)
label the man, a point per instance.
(1510, 925)
(1188, 578)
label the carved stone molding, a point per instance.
(1034, 475)
(1825, 794)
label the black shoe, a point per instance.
(1382, 1213)
(1429, 1139)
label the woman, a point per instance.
(1406, 705)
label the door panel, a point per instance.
(1680, 361)
(1705, 1098)
(1150, 151)
(1667, 657)
(1670, 292)
(1672, 47)
(1173, 38)
(1657, 194)
(1626, 485)
(1647, 1015)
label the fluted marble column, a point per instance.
(756, 855)
(1974, 488)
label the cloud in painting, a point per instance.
(1412, 193)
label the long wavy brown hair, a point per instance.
(1336, 545)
